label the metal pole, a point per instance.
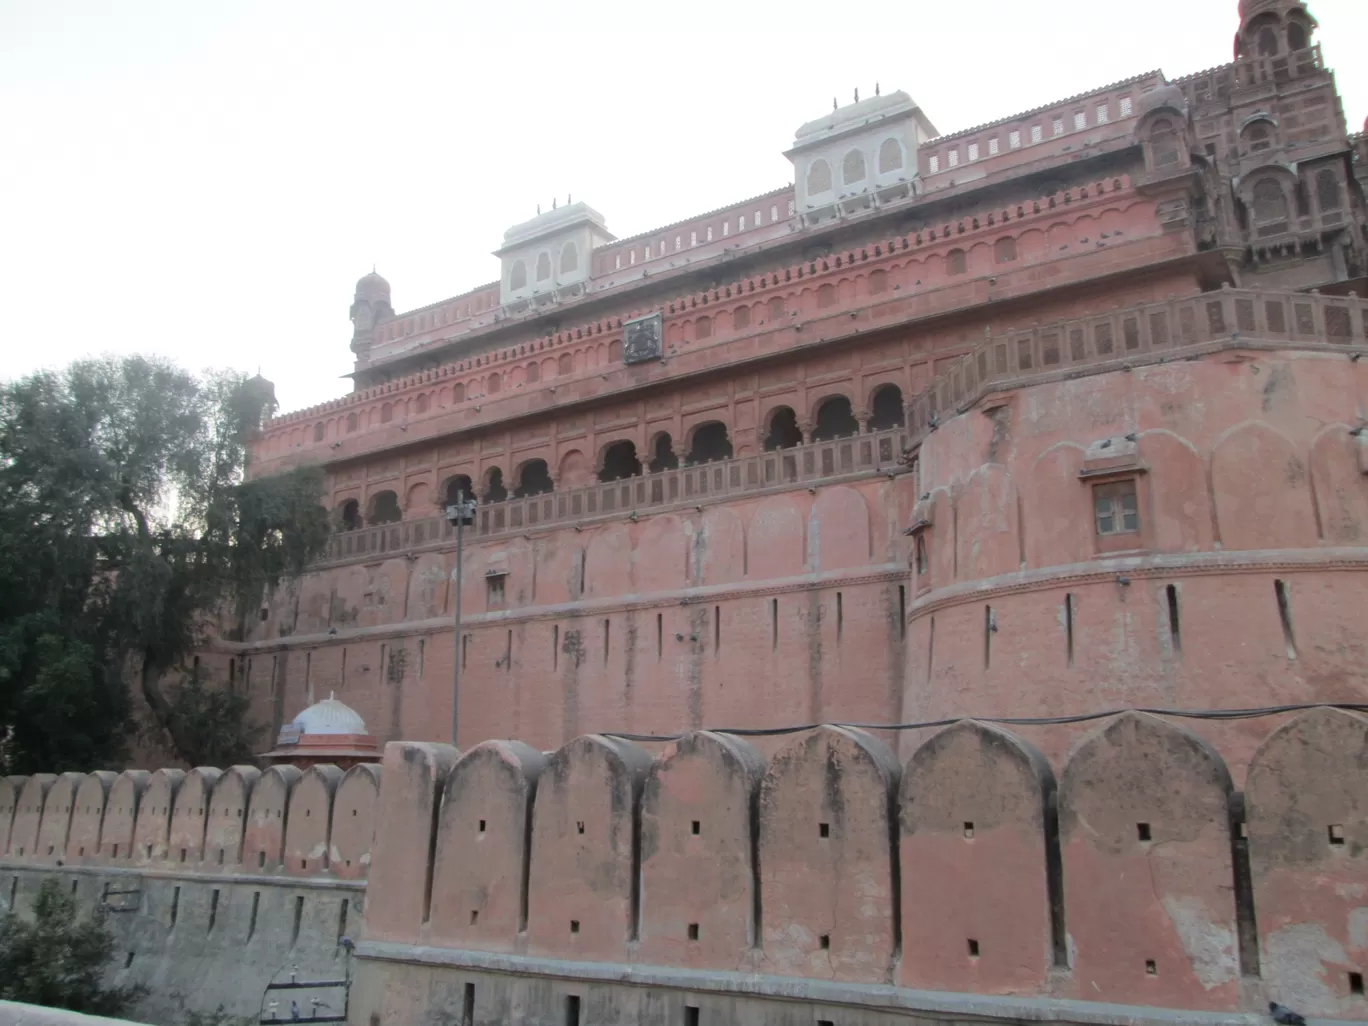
(456, 664)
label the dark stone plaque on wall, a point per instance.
(641, 339)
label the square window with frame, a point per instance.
(1116, 508)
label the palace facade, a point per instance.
(1050, 415)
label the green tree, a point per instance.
(128, 535)
(58, 960)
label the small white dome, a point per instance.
(329, 717)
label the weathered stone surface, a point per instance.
(973, 857)
(1306, 808)
(1148, 881)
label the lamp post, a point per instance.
(458, 514)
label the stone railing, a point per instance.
(1143, 334)
(802, 464)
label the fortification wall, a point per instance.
(216, 882)
(1133, 872)
(1235, 586)
(976, 867)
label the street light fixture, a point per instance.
(458, 514)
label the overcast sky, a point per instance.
(208, 181)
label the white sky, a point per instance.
(207, 181)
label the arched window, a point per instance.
(1327, 190)
(1267, 41)
(384, 509)
(710, 442)
(826, 296)
(1004, 250)
(458, 393)
(494, 486)
(1164, 143)
(741, 317)
(818, 177)
(1270, 205)
(1296, 35)
(494, 383)
(543, 267)
(565, 364)
(420, 404)
(456, 487)
(890, 156)
(1258, 135)
(318, 431)
(835, 420)
(783, 430)
(517, 277)
(878, 282)
(662, 454)
(351, 423)
(955, 262)
(619, 461)
(534, 479)
(386, 413)
(349, 515)
(569, 258)
(533, 373)
(703, 327)
(888, 408)
(853, 168)
(776, 308)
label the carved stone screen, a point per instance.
(641, 339)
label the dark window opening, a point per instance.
(620, 461)
(494, 486)
(888, 409)
(835, 420)
(349, 516)
(385, 509)
(1296, 40)
(783, 430)
(710, 442)
(534, 479)
(1142, 831)
(1355, 983)
(663, 455)
(455, 488)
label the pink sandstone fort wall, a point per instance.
(1057, 422)
(1132, 872)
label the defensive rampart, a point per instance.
(217, 882)
(509, 885)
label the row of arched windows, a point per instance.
(853, 171)
(569, 262)
(708, 442)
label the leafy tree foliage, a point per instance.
(128, 534)
(58, 960)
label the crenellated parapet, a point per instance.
(965, 868)
(205, 820)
